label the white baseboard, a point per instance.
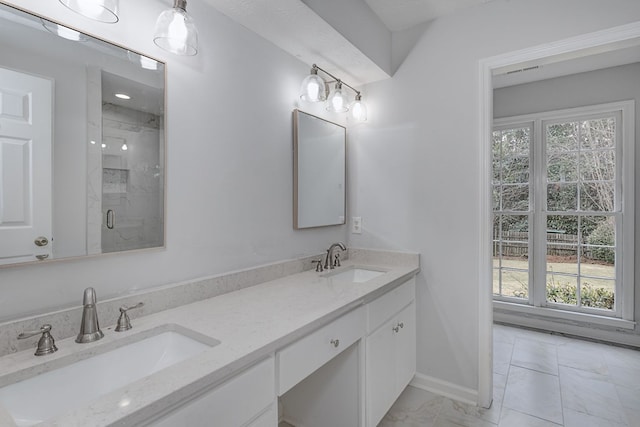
(445, 388)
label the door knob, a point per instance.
(41, 241)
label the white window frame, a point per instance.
(623, 212)
(529, 212)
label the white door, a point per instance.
(25, 167)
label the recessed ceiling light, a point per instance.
(122, 96)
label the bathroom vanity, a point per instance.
(313, 349)
(362, 359)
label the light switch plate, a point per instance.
(356, 225)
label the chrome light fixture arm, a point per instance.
(315, 89)
(337, 80)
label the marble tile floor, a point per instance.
(540, 380)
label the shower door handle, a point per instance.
(111, 219)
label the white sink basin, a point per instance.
(355, 274)
(59, 390)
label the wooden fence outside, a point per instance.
(514, 244)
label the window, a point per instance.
(512, 214)
(563, 204)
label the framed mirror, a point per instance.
(319, 171)
(82, 143)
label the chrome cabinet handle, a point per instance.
(41, 257)
(41, 241)
(111, 219)
(335, 342)
(398, 326)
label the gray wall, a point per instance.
(414, 169)
(596, 87)
(229, 165)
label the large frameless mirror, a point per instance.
(319, 163)
(82, 143)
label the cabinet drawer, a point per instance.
(383, 308)
(233, 403)
(298, 360)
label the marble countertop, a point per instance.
(250, 323)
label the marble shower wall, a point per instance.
(132, 179)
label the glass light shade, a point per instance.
(313, 88)
(144, 61)
(64, 32)
(98, 10)
(148, 63)
(337, 101)
(358, 110)
(175, 31)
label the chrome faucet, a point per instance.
(89, 328)
(328, 262)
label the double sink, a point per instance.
(82, 377)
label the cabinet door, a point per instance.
(405, 347)
(233, 403)
(380, 372)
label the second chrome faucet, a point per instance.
(329, 261)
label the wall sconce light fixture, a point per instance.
(98, 10)
(175, 30)
(315, 89)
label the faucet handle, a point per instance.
(336, 260)
(319, 266)
(46, 344)
(124, 323)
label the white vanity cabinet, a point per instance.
(390, 349)
(245, 400)
(348, 372)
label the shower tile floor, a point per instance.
(540, 380)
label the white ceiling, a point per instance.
(402, 14)
(297, 29)
(399, 15)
